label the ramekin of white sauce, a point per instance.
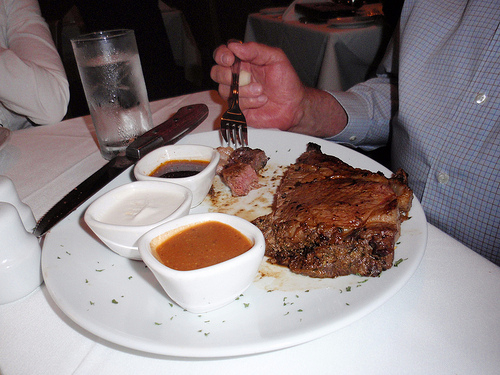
(125, 213)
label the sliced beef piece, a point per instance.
(255, 157)
(240, 178)
(240, 169)
(329, 219)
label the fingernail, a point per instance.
(226, 59)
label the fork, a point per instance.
(233, 125)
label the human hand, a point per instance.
(271, 93)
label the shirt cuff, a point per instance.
(356, 129)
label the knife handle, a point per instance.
(185, 120)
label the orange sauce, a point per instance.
(202, 245)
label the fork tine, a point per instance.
(244, 135)
(224, 130)
(234, 133)
(240, 135)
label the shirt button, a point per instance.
(443, 177)
(480, 98)
(352, 138)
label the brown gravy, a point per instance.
(202, 245)
(179, 168)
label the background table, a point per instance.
(445, 320)
(325, 57)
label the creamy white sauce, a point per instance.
(141, 208)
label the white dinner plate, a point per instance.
(4, 137)
(119, 300)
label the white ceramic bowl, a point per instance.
(212, 287)
(199, 184)
(125, 213)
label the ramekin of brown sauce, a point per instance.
(192, 166)
(204, 261)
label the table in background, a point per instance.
(445, 320)
(326, 57)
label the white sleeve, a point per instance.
(33, 81)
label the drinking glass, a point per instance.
(113, 82)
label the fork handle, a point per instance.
(235, 82)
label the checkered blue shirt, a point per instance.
(445, 106)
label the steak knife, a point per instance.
(184, 121)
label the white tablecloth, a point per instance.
(324, 57)
(445, 320)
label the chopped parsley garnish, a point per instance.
(399, 261)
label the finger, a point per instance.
(252, 90)
(257, 53)
(221, 75)
(223, 56)
(253, 102)
(224, 91)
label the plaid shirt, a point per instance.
(443, 95)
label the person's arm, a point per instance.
(272, 95)
(33, 81)
(371, 105)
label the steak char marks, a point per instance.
(329, 219)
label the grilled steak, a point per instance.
(329, 219)
(239, 169)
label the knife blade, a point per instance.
(184, 121)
